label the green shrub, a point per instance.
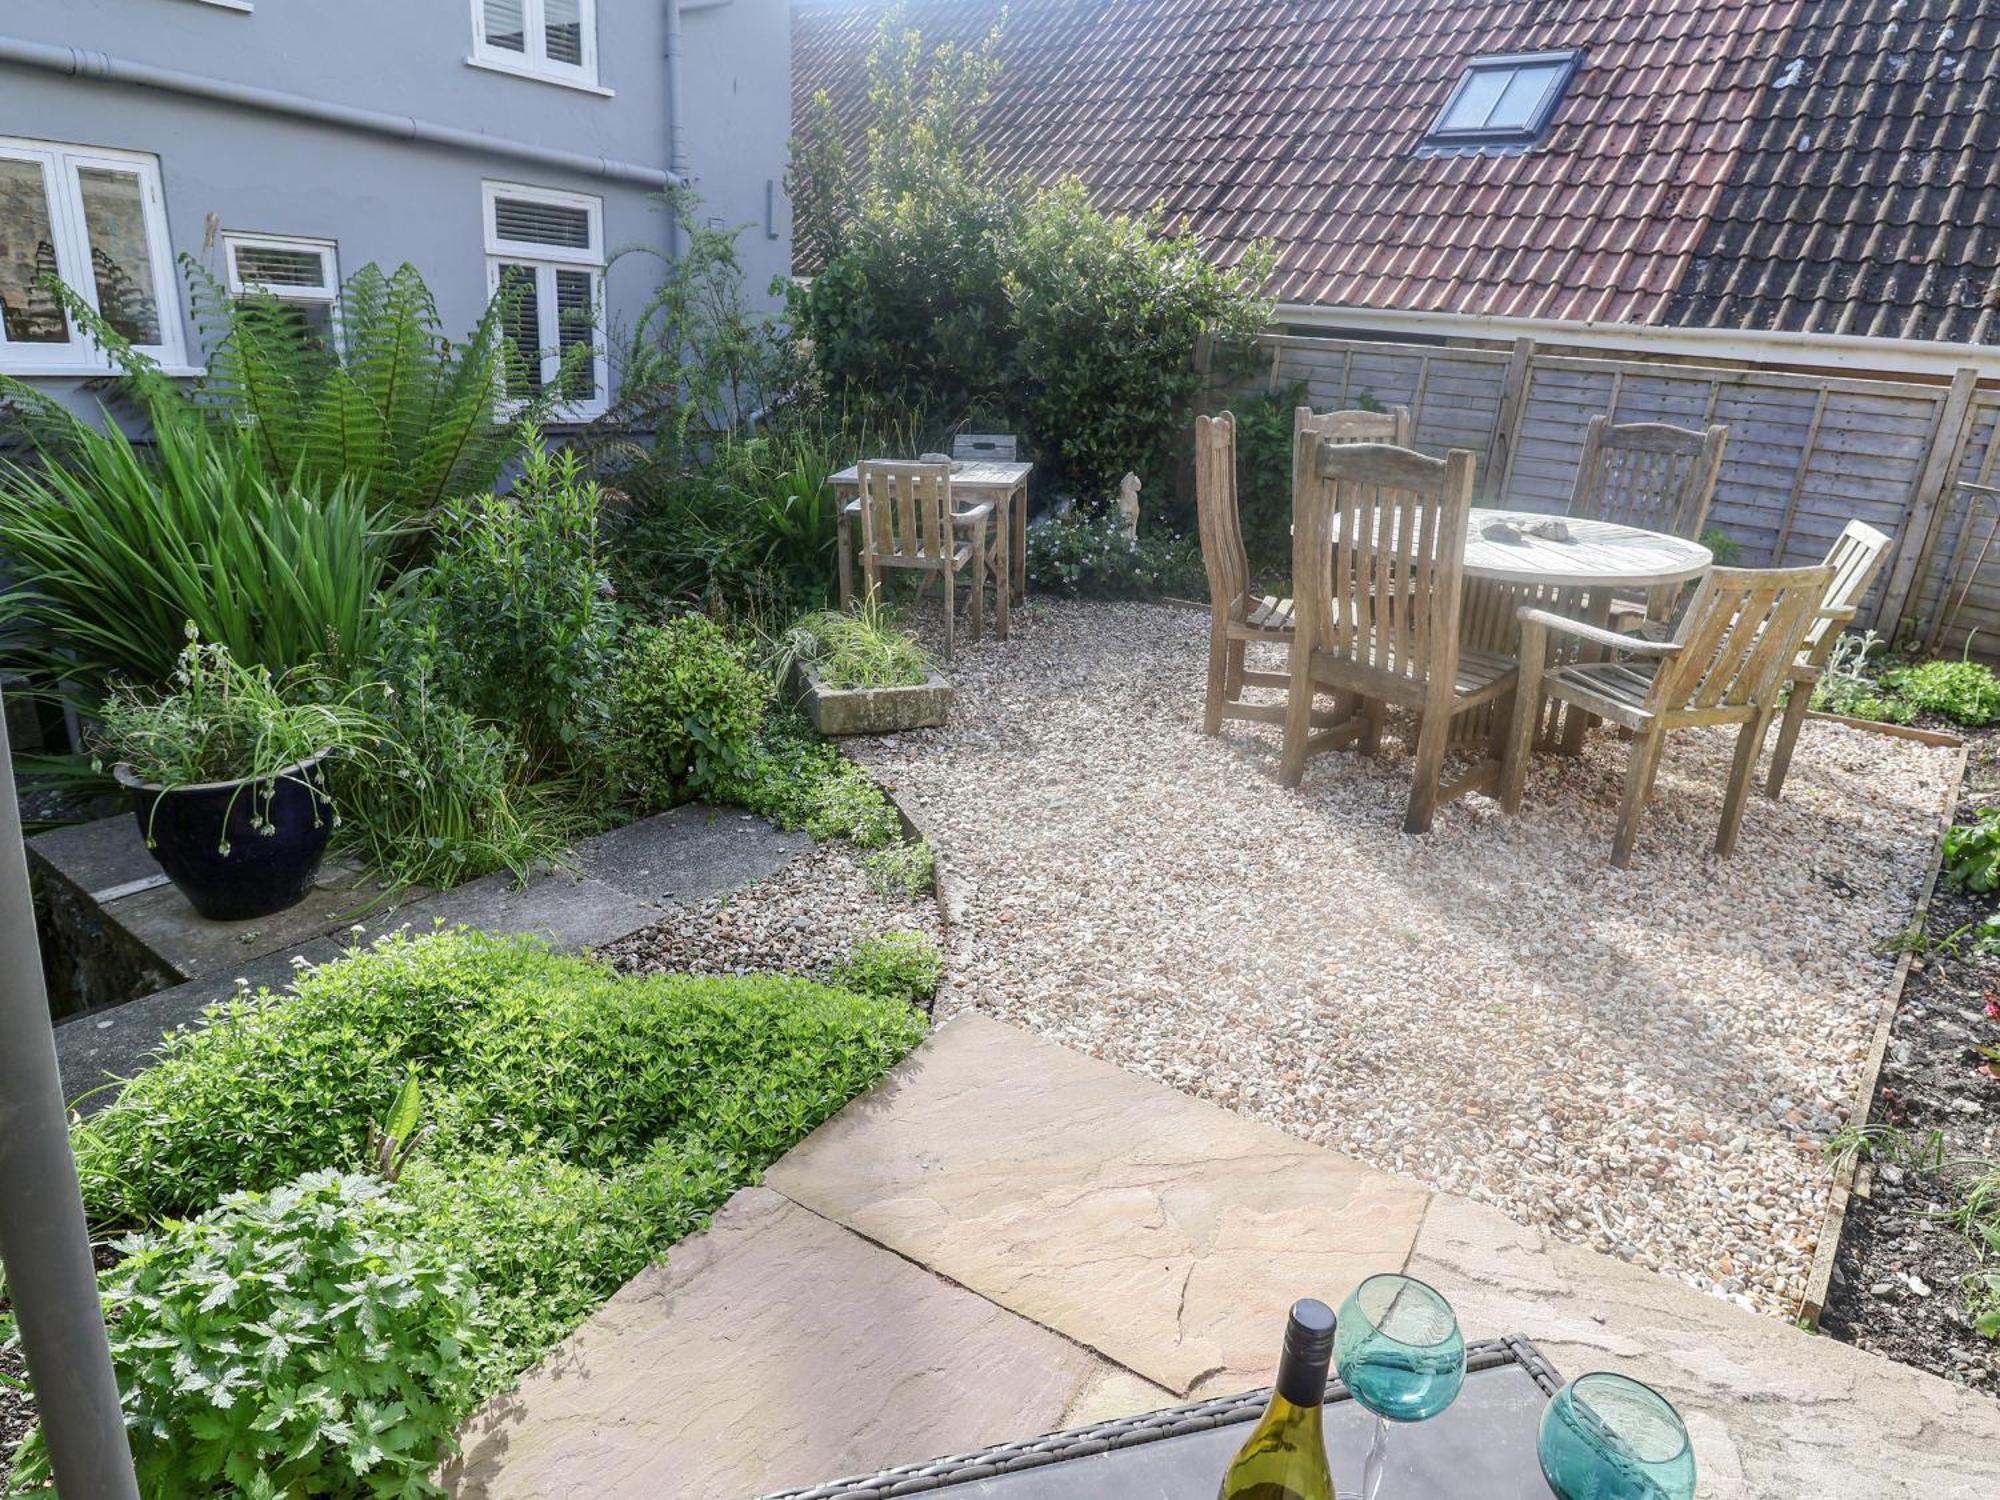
(1088, 556)
(525, 1049)
(1877, 709)
(1965, 692)
(1264, 476)
(298, 1342)
(547, 1240)
(799, 781)
(687, 710)
(905, 868)
(904, 966)
(1972, 853)
(119, 547)
(1724, 547)
(518, 594)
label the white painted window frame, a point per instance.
(328, 252)
(535, 62)
(545, 260)
(63, 187)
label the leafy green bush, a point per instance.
(1724, 547)
(1264, 476)
(799, 781)
(1965, 692)
(517, 590)
(687, 710)
(905, 868)
(1087, 555)
(860, 648)
(298, 1342)
(1108, 310)
(904, 966)
(118, 547)
(547, 1240)
(1972, 853)
(529, 1050)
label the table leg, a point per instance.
(997, 565)
(844, 547)
(1019, 504)
(1595, 609)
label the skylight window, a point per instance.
(1503, 101)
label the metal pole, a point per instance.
(43, 1242)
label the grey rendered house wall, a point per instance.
(227, 167)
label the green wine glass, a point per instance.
(1605, 1437)
(1401, 1356)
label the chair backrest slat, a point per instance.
(1223, 555)
(1648, 474)
(1738, 637)
(1378, 556)
(1351, 425)
(990, 447)
(1856, 557)
(905, 508)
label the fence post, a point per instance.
(43, 1241)
(1921, 526)
(1507, 420)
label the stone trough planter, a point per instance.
(890, 710)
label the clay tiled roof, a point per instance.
(1866, 199)
(1299, 120)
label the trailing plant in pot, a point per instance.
(227, 772)
(860, 672)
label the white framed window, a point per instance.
(1504, 101)
(97, 219)
(552, 39)
(303, 274)
(545, 251)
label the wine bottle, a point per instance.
(1284, 1457)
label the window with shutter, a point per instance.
(303, 274)
(545, 259)
(96, 222)
(552, 39)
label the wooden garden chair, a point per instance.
(1726, 664)
(1856, 558)
(1378, 562)
(1650, 475)
(907, 522)
(1235, 616)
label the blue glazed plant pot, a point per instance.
(238, 849)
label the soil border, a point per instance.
(1826, 1250)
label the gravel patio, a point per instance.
(1646, 1062)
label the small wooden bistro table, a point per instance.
(975, 482)
(1577, 577)
(1482, 1445)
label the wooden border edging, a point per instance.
(1819, 1283)
(915, 828)
(1942, 737)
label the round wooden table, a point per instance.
(1577, 577)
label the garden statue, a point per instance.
(1128, 506)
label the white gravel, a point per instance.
(1644, 1061)
(803, 920)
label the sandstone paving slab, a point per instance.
(1776, 1414)
(1164, 1233)
(775, 1349)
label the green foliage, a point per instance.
(1725, 548)
(905, 868)
(120, 546)
(296, 1342)
(860, 648)
(904, 966)
(1972, 853)
(393, 404)
(1088, 555)
(1108, 311)
(1847, 686)
(222, 720)
(1965, 692)
(799, 781)
(547, 1240)
(1264, 476)
(687, 710)
(518, 591)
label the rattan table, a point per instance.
(1483, 1447)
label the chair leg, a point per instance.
(1218, 669)
(1526, 718)
(1640, 767)
(844, 550)
(1298, 721)
(1373, 711)
(1749, 740)
(1232, 683)
(950, 609)
(1796, 708)
(976, 576)
(1433, 739)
